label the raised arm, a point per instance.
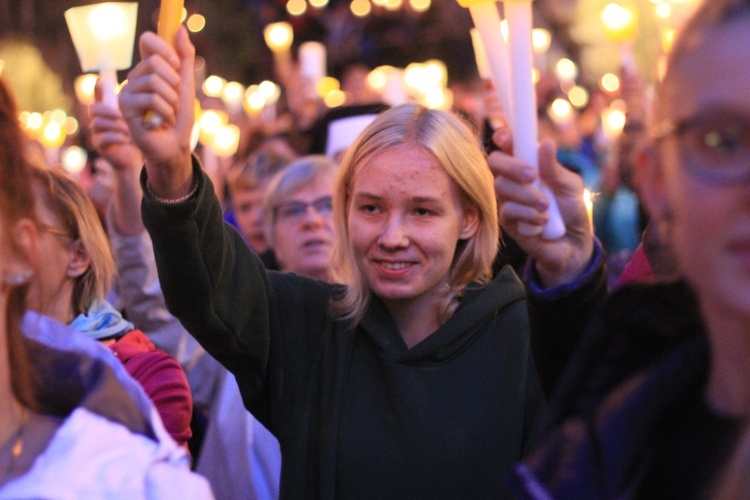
(163, 82)
(566, 278)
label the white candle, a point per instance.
(487, 21)
(312, 62)
(108, 84)
(524, 111)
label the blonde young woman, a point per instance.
(74, 424)
(414, 378)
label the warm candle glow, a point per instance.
(620, 23)
(588, 201)
(210, 121)
(84, 88)
(107, 21)
(226, 139)
(579, 97)
(278, 36)
(560, 111)
(74, 159)
(213, 86)
(541, 40)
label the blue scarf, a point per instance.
(101, 321)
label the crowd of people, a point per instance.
(378, 320)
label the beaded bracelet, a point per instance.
(172, 201)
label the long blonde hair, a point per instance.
(458, 152)
(70, 203)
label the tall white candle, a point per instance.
(487, 22)
(312, 62)
(524, 111)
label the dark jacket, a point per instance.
(357, 413)
(629, 419)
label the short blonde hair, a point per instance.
(457, 150)
(70, 203)
(294, 176)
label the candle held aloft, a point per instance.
(170, 17)
(486, 20)
(312, 64)
(524, 115)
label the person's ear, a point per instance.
(650, 176)
(79, 260)
(22, 255)
(470, 223)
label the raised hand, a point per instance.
(163, 83)
(557, 261)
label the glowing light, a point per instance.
(541, 40)
(378, 77)
(269, 90)
(74, 159)
(213, 86)
(613, 121)
(360, 8)
(326, 85)
(226, 139)
(296, 7)
(210, 121)
(52, 136)
(196, 23)
(335, 98)
(108, 21)
(278, 36)
(318, 4)
(561, 111)
(578, 97)
(420, 5)
(610, 83)
(84, 88)
(232, 94)
(667, 40)
(620, 23)
(663, 10)
(566, 69)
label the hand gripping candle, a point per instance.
(487, 22)
(524, 112)
(170, 17)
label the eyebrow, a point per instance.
(414, 199)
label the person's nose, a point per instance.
(313, 217)
(394, 234)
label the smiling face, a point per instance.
(710, 222)
(303, 234)
(405, 219)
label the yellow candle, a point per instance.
(170, 17)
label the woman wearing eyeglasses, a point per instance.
(73, 423)
(655, 400)
(298, 216)
(72, 284)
